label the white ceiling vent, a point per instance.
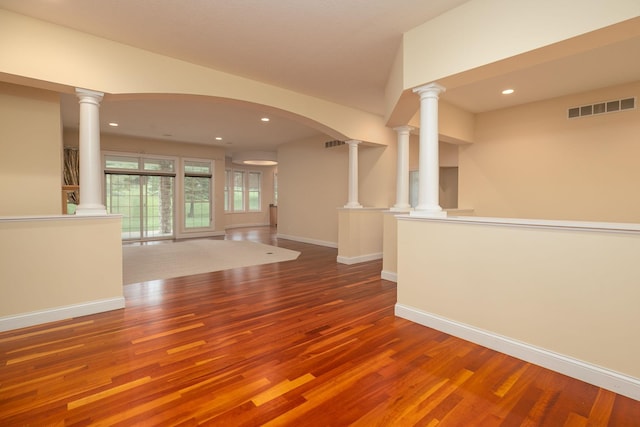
(602, 107)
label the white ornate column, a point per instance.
(90, 168)
(353, 175)
(402, 173)
(429, 175)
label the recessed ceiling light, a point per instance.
(218, 138)
(114, 124)
(508, 91)
(260, 162)
(265, 119)
(259, 158)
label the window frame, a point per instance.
(249, 191)
(241, 189)
(245, 190)
(143, 172)
(227, 191)
(210, 175)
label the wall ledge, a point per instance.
(609, 227)
(39, 218)
(363, 209)
(454, 212)
(592, 374)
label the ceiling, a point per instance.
(195, 119)
(337, 50)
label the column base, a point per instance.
(352, 205)
(91, 210)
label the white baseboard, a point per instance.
(391, 276)
(307, 240)
(249, 224)
(358, 259)
(592, 374)
(23, 320)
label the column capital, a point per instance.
(91, 95)
(353, 142)
(433, 89)
(403, 129)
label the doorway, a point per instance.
(142, 191)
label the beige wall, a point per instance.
(569, 291)
(448, 153)
(31, 146)
(57, 267)
(455, 125)
(312, 184)
(533, 162)
(389, 246)
(377, 175)
(360, 236)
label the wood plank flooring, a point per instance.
(301, 343)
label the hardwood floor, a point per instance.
(303, 343)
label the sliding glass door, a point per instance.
(142, 191)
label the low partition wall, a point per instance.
(57, 267)
(390, 241)
(560, 294)
(359, 234)
(390, 246)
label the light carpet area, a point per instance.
(142, 263)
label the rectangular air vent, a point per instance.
(602, 107)
(333, 143)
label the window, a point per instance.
(238, 191)
(158, 165)
(197, 194)
(243, 191)
(227, 192)
(121, 162)
(275, 188)
(254, 191)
